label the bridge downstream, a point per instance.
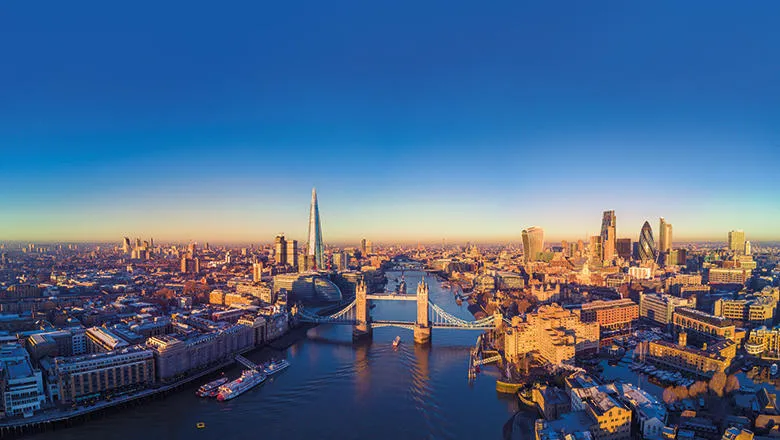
(429, 315)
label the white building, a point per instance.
(22, 386)
(649, 413)
(640, 273)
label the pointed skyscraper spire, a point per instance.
(315, 248)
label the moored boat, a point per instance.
(248, 380)
(275, 366)
(209, 389)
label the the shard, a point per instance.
(315, 248)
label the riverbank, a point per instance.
(54, 419)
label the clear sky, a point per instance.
(416, 120)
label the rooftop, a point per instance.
(698, 315)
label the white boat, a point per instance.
(396, 341)
(275, 366)
(210, 389)
(248, 380)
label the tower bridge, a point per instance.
(429, 315)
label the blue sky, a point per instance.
(415, 120)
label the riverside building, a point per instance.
(93, 376)
(553, 332)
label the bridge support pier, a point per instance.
(361, 331)
(362, 328)
(422, 335)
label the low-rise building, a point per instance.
(750, 309)
(722, 275)
(610, 315)
(176, 357)
(555, 333)
(21, 385)
(650, 414)
(99, 339)
(94, 376)
(691, 320)
(552, 402)
(660, 308)
(702, 361)
(764, 342)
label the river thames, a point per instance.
(335, 389)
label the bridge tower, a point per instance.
(422, 328)
(362, 317)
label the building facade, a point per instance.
(611, 315)
(21, 385)
(533, 243)
(94, 376)
(647, 251)
(659, 308)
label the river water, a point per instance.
(337, 389)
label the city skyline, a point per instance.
(354, 239)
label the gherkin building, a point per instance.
(646, 243)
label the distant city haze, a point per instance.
(415, 121)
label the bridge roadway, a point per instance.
(391, 297)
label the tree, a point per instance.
(681, 392)
(718, 383)
(698, 387)
(732, 384)
(669, 396)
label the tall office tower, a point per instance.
(206, 246)
(292, 253)
(623, 248)
(280, 256)
(369, 247)
(126, 245)
(363, 246)
(646, 243)
(137, 242)
(596, 249)
(190, 265)
(664, 236)
(151, 242)
(340, 259)
(565, 248)
(608, 225)
(191, 250)
(533, 243)
(315, 247)
(737, 241)
(257, 272)
(748, 249)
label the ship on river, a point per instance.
(248, 380)
(210, 389)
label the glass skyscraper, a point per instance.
(533, 243)
(608, 226)
(315, 248)
(646, 243)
